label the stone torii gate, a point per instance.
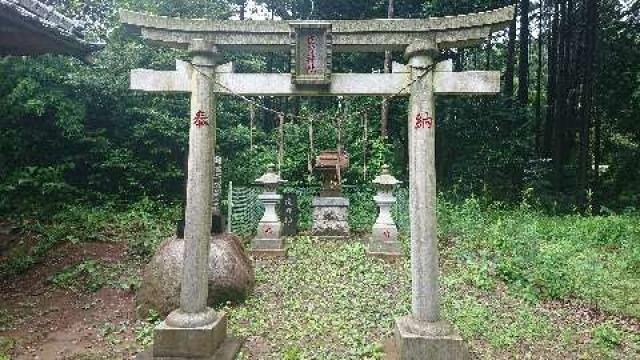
(194, 330)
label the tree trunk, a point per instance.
(523, 71)
(597, 160)
(384, 113)
(539, 81)
(560, 116)
(567, 100)
(458, 60)
(586, 111)
(511, 57)
(552, 80)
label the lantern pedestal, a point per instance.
(204, 342)
(268, 241)
(384, 235)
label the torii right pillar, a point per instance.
(424, 334)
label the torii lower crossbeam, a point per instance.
(446, 82)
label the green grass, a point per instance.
(513, 282)
(595, 259)
(327, 301)
(91, 275)
(331, 301)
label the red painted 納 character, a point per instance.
(424, 121)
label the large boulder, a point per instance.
(231, 276)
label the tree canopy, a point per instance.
(566, 130)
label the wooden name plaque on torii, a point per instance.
(311, 51)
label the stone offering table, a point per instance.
(331, 209)
(384, 235)
(268, 241)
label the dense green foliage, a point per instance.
(594, 259)
(74, 132)
(141, 225)
(503, 269)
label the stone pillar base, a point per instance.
(330, 218)
(206, 343)
(421, 341)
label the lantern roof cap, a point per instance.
(270, 177)
(385, 177)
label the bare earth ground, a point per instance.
(49, 322)
(294, 310)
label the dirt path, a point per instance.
(44, 321)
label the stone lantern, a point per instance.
(268, 241)
(384, 235)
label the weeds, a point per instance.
(144, 329)
(92, 276)
(329, 300)
(548, 257)
(143, 226)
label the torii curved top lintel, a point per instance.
(348, 35)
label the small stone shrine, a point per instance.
(268, 241)
(384, 235)
(331, 208)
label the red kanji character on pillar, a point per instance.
(424, 121)
(200, 119)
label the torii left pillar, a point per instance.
(195, 331)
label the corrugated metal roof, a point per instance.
(29, 27)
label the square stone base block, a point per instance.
(386, 256)
(412, 343)
(330, 218)
(268, 248)
(227, 351)
(205, 343)
(275, 253)
(388, 250)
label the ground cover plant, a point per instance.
(331, 301)
(516, 283)
(591, 258)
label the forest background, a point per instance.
(571, 100)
